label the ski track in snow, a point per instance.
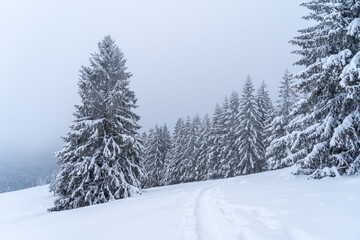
(204, 217)
(209, 217)
(188, 224)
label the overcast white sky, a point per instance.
(185, 55)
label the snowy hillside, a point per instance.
(270, 205)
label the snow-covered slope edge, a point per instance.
(270, 205)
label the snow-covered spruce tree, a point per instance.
(287, 95)
(221, 167)
(173, 164)
(215, 143)
(165, 148)
(201, 169)
(229, 150)
(144, 141)
(250, 154)
(324, 135)
(101, 156)
(231, 135)
(152, 158)
(278, 148)
(144, 138)
(193, 147)
(189, 141)
(230, 155)
(266, 114)
(166, 145)
(156, 148)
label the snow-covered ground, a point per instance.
(271, 205)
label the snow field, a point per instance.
(270, 205)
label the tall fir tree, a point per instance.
(100, 160)
(187, 160)
(150, 155)
(166, 146)
(250, 155)
(157, 148)
(222, 167)
(231, 136)
(203, 147)
(324, 134)
(196, 128)
(174, 168)
(287, 95)
(278, 148)
(215, 144)
(144, 137)
(266, 114)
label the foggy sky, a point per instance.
(185, 55)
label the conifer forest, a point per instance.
(263, 164)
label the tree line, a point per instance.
(238, 139)
(315, 127)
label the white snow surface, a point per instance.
(270, 205)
